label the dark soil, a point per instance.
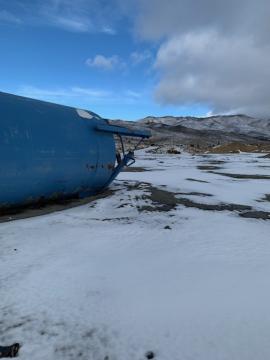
(242, 176)
(267, 156)
(159, 200)
(263, 215)
(209, 167)
(163, 200)
(135, 169)
(194, 193)
(215, 162)
(266, 197)
(213, 207)
(197, 180)
(139, 169)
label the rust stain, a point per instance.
(110, 166)
(90, 167)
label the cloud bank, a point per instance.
(211, 52)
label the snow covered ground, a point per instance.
(175, 261)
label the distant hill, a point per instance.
(236, 124)
(204, 132)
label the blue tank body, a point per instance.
(49, 151)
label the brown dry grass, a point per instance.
(237, 147)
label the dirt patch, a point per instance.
(242, 176)
(215, 162)
(267, 156)
(262, 215)
(164, 200)
(208, 167)
(266, 197)
(124, 218)
(135, 169)
(212, 207)
(139, 169)
(197, 180)
(194, 193)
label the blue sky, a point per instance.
(83, 53)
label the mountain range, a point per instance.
(204, 132)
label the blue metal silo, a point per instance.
(50, 151)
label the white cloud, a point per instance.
(90, 92)
(133, 94)
(80, 15)
(108, 30)
(63, 95)
(85, 16)
(35, 92)
(72, 24)
(105, 63)
(140, 57)
(78, 96)
(226, 73)
(6, 16)
(211, 52)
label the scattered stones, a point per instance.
(167, 227)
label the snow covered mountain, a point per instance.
(204, 133)
(236, 124)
